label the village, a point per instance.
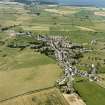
(65, 52)
(67, 55)
(51, 54)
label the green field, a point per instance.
(91, 93)
(25, 71)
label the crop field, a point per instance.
(9, 14)
(45, 97)
(68, 19)
(102, 81)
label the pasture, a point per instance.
(90, 92)
(25, 71)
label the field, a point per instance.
(45, 97)
(102, 82)
(91, 93)
(100, 13)
(25, 70)
(73, 99)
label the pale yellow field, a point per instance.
(46, 97)
(102, 82)
(61, 12)
(99, 13)
(37, 28)
(73, 99)
(100, 26)
(26, 71)
(85, 28)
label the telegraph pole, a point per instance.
(35, 7)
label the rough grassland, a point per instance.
(26, 71)
(46, 97)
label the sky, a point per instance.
(98, 3)
(89, 2)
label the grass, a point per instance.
(95, 57)
(46, 21)
(90, 92)
(46, 97)
(26, 71)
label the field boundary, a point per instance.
(27, 93)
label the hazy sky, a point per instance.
(91, 2)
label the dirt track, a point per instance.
(73, 99)
(85, 28)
